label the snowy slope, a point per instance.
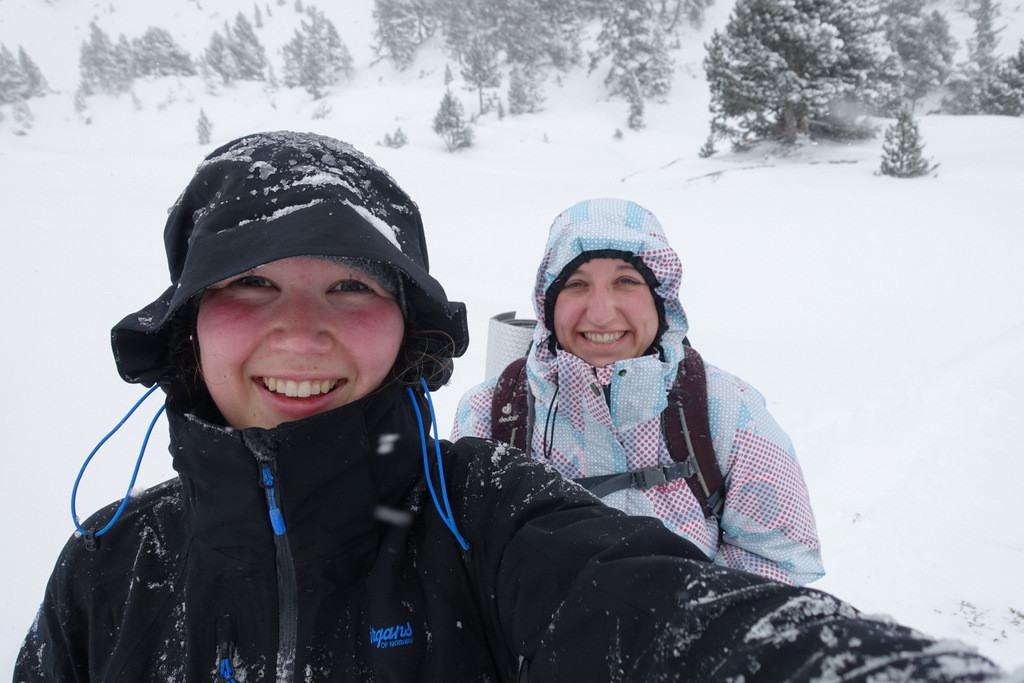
(879, 317)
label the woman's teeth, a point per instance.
(603, 337)
(303, 389)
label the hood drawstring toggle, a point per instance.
(90, 535)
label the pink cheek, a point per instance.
(224, 330)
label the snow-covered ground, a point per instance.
(880, 317)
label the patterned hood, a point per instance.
(597, 225)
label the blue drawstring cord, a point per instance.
(135, 473)
(446, 514)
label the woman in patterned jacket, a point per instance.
(605, 353)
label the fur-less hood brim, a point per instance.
(595, 227)
(271, 196)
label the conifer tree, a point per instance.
(401, 27)
(156, 53)
(20, 78)
(672, 12)
(921, 42)
(529, 32)
(316, 57)
(902, 150)
(35, 82)
(450, 125)
(396, 141)
(783, 68)
(250, 59)
(633, 41)
(100, 63)
(1004, 92)
(480, 68)
(1011, 73)
(124, 64)
(204, 128)
(980, 85)
(458, 20)
(524, 92)
(13, 83)
(218, 58)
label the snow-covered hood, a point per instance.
(618, 225)
(270, 196)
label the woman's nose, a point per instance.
(300, 326)
(600, 307)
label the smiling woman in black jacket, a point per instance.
(316, 531)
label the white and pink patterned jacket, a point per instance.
(585, 429)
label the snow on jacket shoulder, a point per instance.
(555, 586)
(767, 525)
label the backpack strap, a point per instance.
(687, 432)
(685, 427)
(510, 407)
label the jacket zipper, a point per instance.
(287, 585)
(225, 651)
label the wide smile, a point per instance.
(603, 337)
(299, 388)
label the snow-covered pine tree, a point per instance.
(316, 57)
(396, 141)
(902, 149)
(250, 59)
(672, 12)
(257, 15)
(157, 54)
(450, 125)
(524, 91)
(204, 128)
(401, 27)
(634, 42)
(13, 82)
(1003, 94)
(785, 68)
(35, 82)
(459, 22)
(100, 64)
(218, 59)
(922, 43)
(124, 62)
(529, 32)
(1011, 74)
(982, 48)
(975, 84)
(480, 68)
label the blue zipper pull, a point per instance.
(225, 650)
(269, 485)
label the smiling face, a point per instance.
(294, 338)
(605, 312)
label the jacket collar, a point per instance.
(332, 472)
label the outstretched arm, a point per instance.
(582, 592)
